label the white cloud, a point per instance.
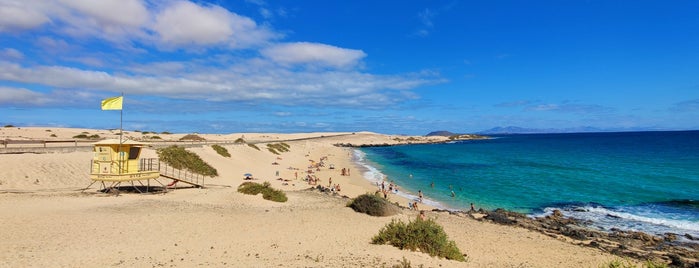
(21, 15)
(330, 75)
(238, 83)
(184, 23)
(314, 54)
(11, 54)
(545, 107)
(173, 24)
(112, 13)
(22, 96)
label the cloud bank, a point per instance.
(180, 50)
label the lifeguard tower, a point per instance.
(116, 162)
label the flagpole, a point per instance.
(121, 134)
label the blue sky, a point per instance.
(407, 67)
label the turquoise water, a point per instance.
(645, 181)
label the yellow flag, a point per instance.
(113, 103)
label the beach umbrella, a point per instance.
(247, 175)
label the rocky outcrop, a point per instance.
(641, 246)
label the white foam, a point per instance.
(375, 176)
(606, 219)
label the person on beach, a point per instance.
(421, 216)
(432, 184)
(330, 181)
(473, 209)
(415, 206)
(419, 195)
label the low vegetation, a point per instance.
(85, 136)
(253, 146)
(192, 137)
(165, 133)
(178, 157)
(268, 193)
(424, 235)
(53, 135)
(466, 137)
(373, 205)
(9, 126)
(277, 148)
(239, 141)
(221, 150)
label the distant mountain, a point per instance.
(521, 130)
(441, 133)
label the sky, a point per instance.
(393, 67)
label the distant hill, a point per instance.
(441, 133)
(514, 130)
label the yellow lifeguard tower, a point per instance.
(118, 162)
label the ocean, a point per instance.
(640, 181)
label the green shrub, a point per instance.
(254, 146)
(85, 136)
(9, 126)
(53, 135)
(221, 150)
(277, 148)
(268, 193)
(239, 141)
(165, 133)
(192, 137)
(274, 195)
(252, 188)
(156, 138)
(179, 158)
(425, 235)
(373, 205)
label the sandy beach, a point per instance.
(48, 221)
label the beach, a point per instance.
(49, 221)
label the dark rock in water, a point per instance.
(613, 216)
(557, 213)
(580, 209)
(670, 237)
(500, 216)
(690, 237)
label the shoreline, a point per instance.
(628, 243)
(217, 226)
